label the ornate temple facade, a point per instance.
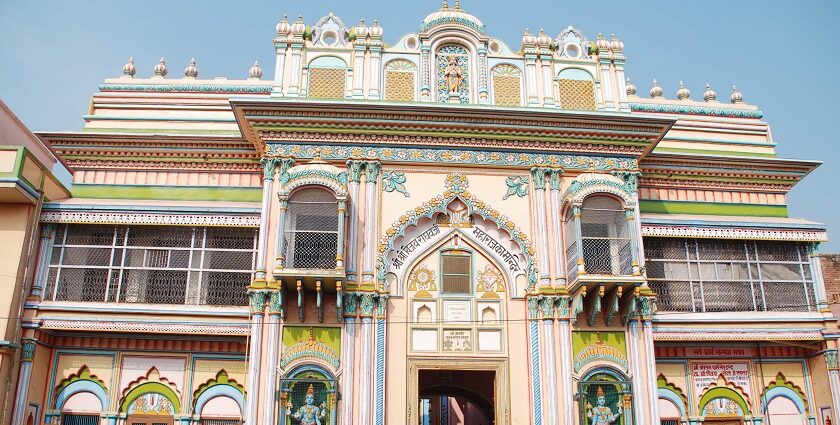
(440, 229)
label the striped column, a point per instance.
(270, 390)
(538, 177)
(348, 354)
(371, 174)
(254, 351)
(27, 353)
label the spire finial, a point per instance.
(191, 71)
(682, 92)
(631, 89)
(709, 95)
(129, 69)
(457, 4)
(160, 68)
(255, 73)
(736, 96)
(445, 5)
(655, 90)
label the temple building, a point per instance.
(434, 228)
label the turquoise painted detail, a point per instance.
(517, 185)
(192, 88)
(380, 372)
(425, 26)
(696, 110)
(464, 157)
(81, 386)
(394, 181)
(784, 392)
(673, 398)
(535, 371)
(328, 62)
(216, 391)
(575, 74)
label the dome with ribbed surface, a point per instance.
(449, 16)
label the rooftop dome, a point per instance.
(454, 15)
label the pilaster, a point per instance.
(354, 177)
(538, 177)
(27, 354)
(270, 390)
(557, 225)
(371, 174)
(280, 48)
(258, 299)
(44, 250)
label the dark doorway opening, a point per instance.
(457, 397)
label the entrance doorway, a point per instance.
(457, 397)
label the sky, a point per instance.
(782, 55)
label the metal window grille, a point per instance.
(220, 422)
(615, 392)
(151, 264)
(605, 237)
(456, 273)
(730, 275)
(72, 419)
(312, 230)
(669, 422)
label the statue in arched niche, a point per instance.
(308, 414)
(454, 75)
(600, 414)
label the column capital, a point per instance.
(630, 179)
(354, 170)
(554, 178)
(257, 299)
(268, 165)
(371, 171)
(538, 176)
(47, 230)
(27, 349)
(350, 304)
(533, 307)
(284, 165)
(547, 307)
(831, 359)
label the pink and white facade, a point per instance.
(438, 229)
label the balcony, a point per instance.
(151, 265)
(696, 275)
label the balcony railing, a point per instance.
(718, 276)
(151, 264)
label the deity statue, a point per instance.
(601, 414)
(308, 414)
(453, 75)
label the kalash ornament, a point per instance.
(308, 414)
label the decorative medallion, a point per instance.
(490, 281)
(457, 183)
(422, 280)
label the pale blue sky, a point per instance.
(781, 54)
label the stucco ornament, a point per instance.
(422, 280)
(601, 414)
(516, 185)
(394, 181)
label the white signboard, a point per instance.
(456, 311)
(705, 374)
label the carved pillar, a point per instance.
(270, 390)
(557, 226)
(348, 354)
(27, 353)
(375, 71)
(547, 81)
(354, 177)
(359, 70)
(581, 264)
(367, 306)
(381, 338)
(821, 300)
(534, 341)
(651, 388)
(283, 208)
(834, 381)
(44, 250)
(371, 173)
(279, 66)
(639, 409)
(629, 212)
(268, 165)
(483, 92)
(531, 80)
(254, 351)
(549, 361)
(565, 374)
(425, 71)
(294, 83)
(538, 177)
(339, 249)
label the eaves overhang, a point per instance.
(783, 171)
(284, 120)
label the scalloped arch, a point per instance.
(147, 388)
(438, 204)
(724, 392)
(81, 386)
(221, 378)
(336, 182)
(781, 387)
(586, 185)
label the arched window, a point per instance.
(82, 408)
(783, 411)
(311, 230)
(605, 397)
(577, 90)
(304, 382)
(605, 237)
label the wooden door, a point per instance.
(150, 420)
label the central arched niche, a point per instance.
(458, 216)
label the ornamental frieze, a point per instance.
(463, 157)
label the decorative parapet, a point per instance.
(187, 88)
(696, 110)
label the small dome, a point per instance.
(283, 26)
(683, 92)
(129, 69)
(298, 28)
(527, 38)
(616, 44)
(375, 30)
(191, 71)
(655, 90)
(543, 39)
(631, 89)
(255, 73)
(360, 29)
(709, 95)
(160, 68)
(455, 15)
(602, 43)
(736, 96)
